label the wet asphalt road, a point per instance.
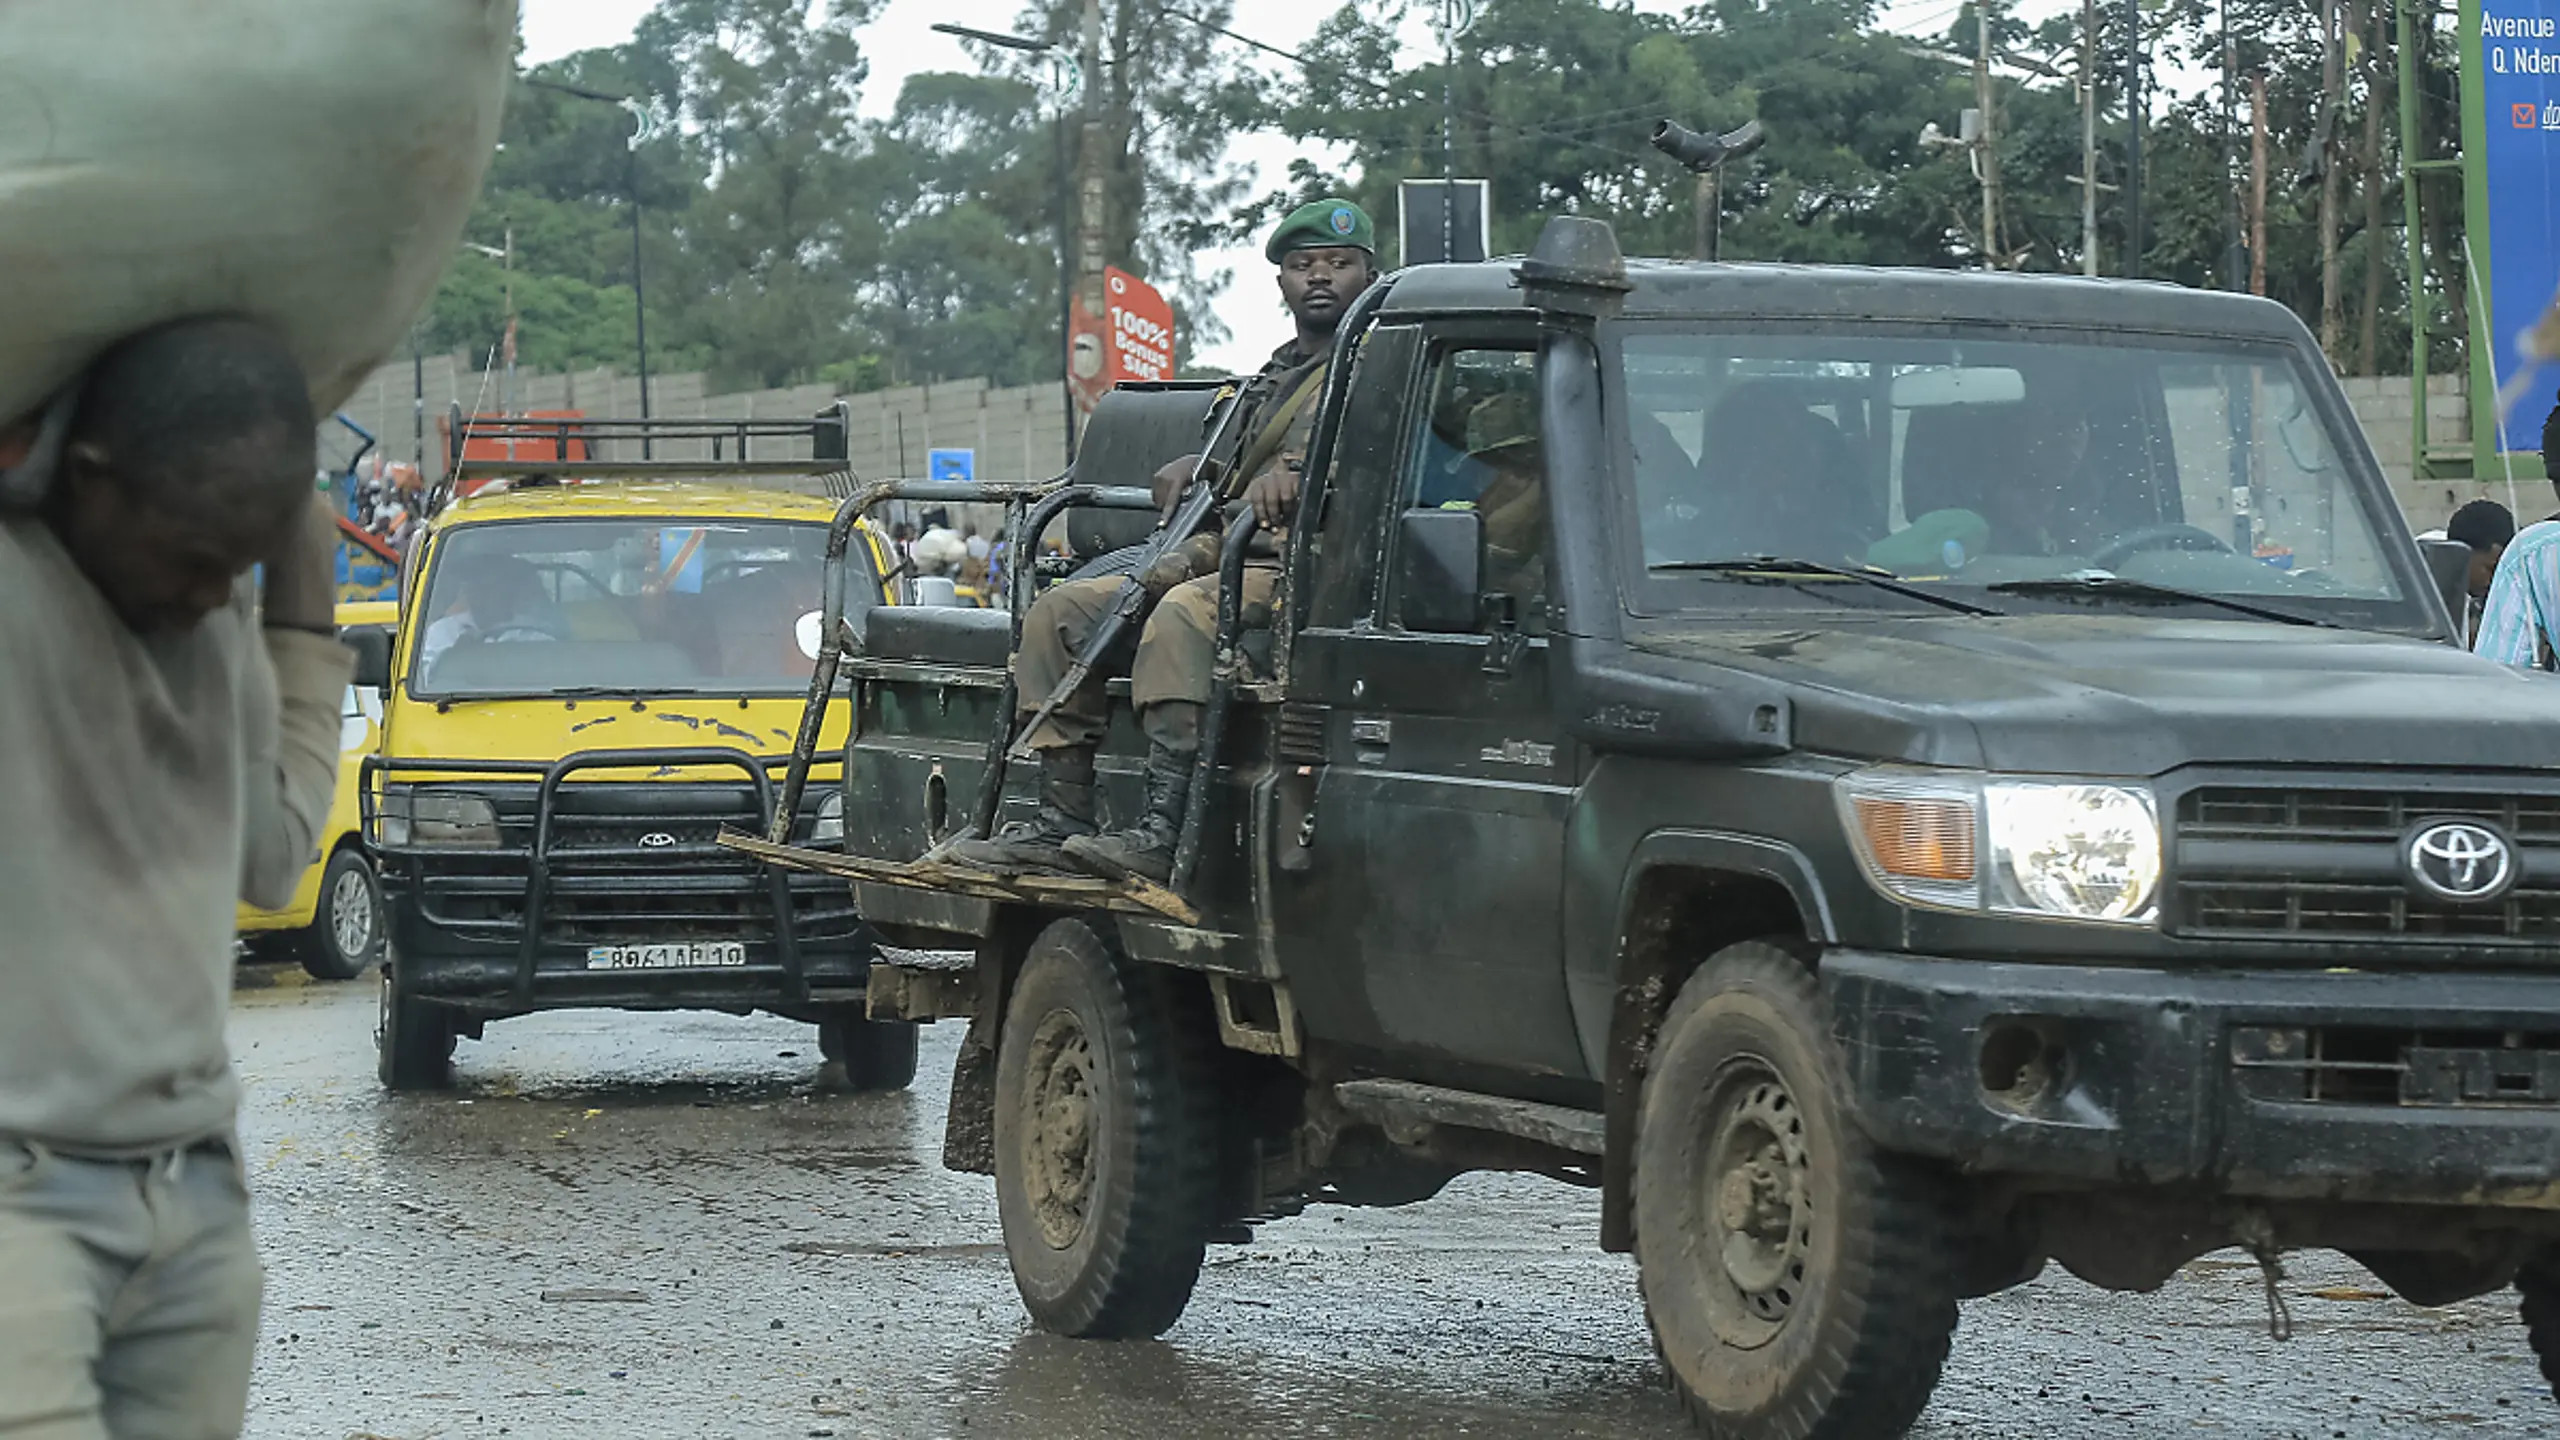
(624, 1225)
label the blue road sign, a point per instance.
(2519, 69)
(960, 466)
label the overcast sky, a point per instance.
(901, 43)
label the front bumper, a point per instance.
(584, 868)
(2309, 1085)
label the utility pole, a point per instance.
(2332, 81)
(1987, 145)
(2133, 118)
(1090, 236)
(2235, 259)
(2088, 137)
(2257, 182)
(507, 262)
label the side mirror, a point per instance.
(372, 644)
(2449, 565)
(1440, 571)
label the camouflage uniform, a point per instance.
(1169, 676)
(1176, 650)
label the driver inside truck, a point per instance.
(502, 599)
(1502, 438)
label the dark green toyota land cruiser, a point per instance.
(1947, 772)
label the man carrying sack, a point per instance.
(171, 747)
(1326, 256)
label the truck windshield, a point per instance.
(1973, 463)
(642, 606)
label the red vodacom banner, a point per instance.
(1132, 341)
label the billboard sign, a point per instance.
(2517, 180)
(952, 467)
(1133, 339)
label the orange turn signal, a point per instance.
(1918, 839)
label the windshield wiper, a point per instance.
(610, 692)
(1781, 565)
(2118, 585)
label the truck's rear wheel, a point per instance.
(2539, 1284)
(1797, 1281)
(413, 1039)
(875, 1054)
(1106, 1142)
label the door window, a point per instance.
(1478, 447)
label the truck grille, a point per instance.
(2370, 1065)
(2326, 863)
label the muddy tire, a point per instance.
(1105, 1137)
(2539, 1284)
(412, 1039)
(344, 938)
(875, 1054)
(1797, 1281)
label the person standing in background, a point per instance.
(2524, 600)
(172, 748)
(2487, 527)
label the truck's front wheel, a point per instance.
(2539, 1283)
(875, 1054)
(1106, 1144)
(413, 1040)
(1797, 1281)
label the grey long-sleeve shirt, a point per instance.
(146, 786)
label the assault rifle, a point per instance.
(1190, 512)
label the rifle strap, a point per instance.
(1274, 430)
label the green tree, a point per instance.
(766, 255)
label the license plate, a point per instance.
(690, 955)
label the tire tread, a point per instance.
(1880, 1370)
(2539, 1285)
(1142, 1271)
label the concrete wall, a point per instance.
(1017, 433)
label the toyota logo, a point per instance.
(2459, 860)
(656, 840)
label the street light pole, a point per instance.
(642, 127)
(639, 296)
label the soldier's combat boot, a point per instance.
(1066, 812)
(1144, 850)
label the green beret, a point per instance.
(1324, 224)
(1937, 543)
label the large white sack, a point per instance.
(307, 163)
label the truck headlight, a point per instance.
(2088, 851)
(1955, 840)
(436, 817)
(830, 822)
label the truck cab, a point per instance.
(600, 662)
(1891, 777)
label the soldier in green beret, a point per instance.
(1326, 256)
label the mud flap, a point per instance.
(969, 1134)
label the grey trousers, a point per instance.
(129, 1296)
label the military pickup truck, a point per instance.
(1950, 772)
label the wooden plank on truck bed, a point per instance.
(1065, 892)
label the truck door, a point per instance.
(1437, 837)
